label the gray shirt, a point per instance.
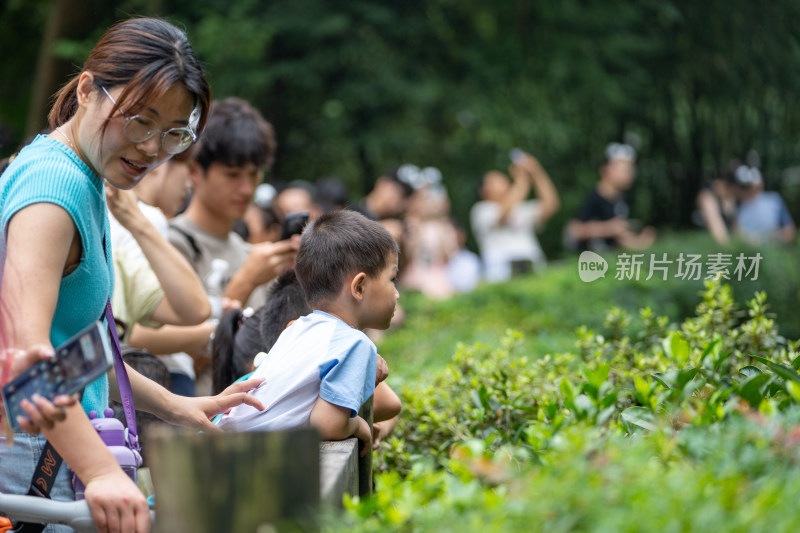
(215, 259)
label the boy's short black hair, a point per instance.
(339, 244)
(285, 302)
(236, 135)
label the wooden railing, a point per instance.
(237, 482)
(253, 481)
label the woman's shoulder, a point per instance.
(46, 169)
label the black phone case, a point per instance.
(79, 361)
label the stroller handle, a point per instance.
(45, 511)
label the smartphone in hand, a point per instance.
(79, 361)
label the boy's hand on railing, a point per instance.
(364, 435)
(381, 370)
(196, 412)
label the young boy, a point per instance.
(322, 368)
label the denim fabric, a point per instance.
(182, 385)
(17, 464)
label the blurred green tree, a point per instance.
(356, 86)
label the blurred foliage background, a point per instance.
(356, 86)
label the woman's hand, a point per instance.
(117, 504)
(41, 412)
(195, 412)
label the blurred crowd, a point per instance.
(215, 211)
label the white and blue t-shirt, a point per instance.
(317, 356)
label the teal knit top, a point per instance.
(48, 171)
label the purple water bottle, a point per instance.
(115, 435)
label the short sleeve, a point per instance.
(180, 240)
(588, 210)
(784, 216)
(138, 292)
(348, 379)
(483, 217)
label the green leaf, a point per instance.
(676, 347)
(786, 372)
(665, 378)
(749, 370)
(793, 388)
(750, 389)
(639, 416)
(597, 376)
(568, 390)
(685, 376)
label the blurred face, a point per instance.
(495, 186)
(391, 200)
(175, 187)
(620, 173)
(226, 191)
(108, 151)
(294, 200)
(380, 297)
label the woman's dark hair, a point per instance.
(145, 55)
(237, 341)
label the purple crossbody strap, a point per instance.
(124, 383)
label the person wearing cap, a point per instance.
(762, 216)
(602, 222)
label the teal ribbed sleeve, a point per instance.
(48, 171)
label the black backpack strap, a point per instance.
(45, 474)
(42, 482)
(191, 240)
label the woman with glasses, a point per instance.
(140, 98)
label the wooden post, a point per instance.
(245, 482)
(365, 462)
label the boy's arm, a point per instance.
(334, 423)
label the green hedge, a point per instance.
(644, 424)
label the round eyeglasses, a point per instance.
(139, 128)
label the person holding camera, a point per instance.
(505, 222)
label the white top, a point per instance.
(122, 238)
(317, 356)
(515, 240)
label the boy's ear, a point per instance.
(357, 286)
